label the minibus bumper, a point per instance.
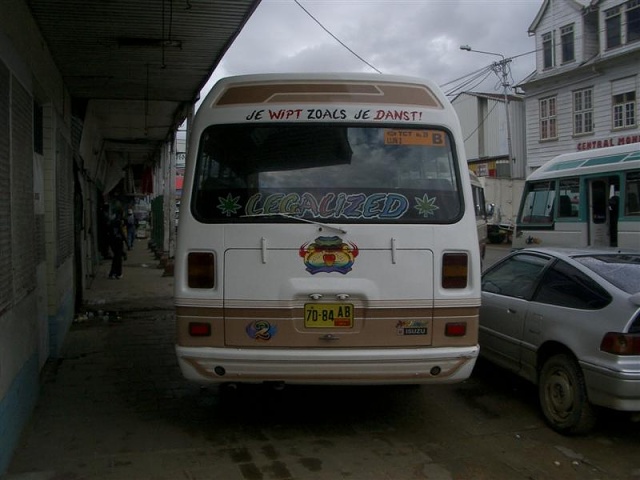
(327, 366)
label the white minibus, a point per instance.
(583, 199)
(327, 234)
(479, 203)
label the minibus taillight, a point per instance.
(455, 267)
(457, 329)
(621, 343)
(199, 329)
(201, 270)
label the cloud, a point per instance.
(405, 37)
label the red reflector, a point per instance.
(199, 329)
(455, 329)
(621, 343)
(455, 267)
(200, 270)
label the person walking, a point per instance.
(131, 228)
(117, 239)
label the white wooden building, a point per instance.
(582, 94)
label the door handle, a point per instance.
(511, 310)
(329, 337)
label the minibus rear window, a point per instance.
(345, 174)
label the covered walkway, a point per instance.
(106, 403)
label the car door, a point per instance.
(506, 291)
(565, 309)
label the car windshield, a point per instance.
(622, 270)
(252, 173)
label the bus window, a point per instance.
(569, 198)
(479, 202)
(318, 172)
(632, 189)
(538, 203)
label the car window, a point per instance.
(622, 270)
(516, 276)
(566, 286)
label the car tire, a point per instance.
(563, 396)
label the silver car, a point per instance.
(568, 321)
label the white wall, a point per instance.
(36, 321)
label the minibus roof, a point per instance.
(597, 161)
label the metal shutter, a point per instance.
(64, 199)
(6, 290)
(23, 221)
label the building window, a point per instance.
(624, 110)
(547, 50)
(583, 111)
(548, 129)
(613, 27)
(566, 38)
(633, 21)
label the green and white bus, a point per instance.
(582, 199)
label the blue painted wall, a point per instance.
(16, 408)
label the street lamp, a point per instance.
(500, 67)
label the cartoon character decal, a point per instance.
(328, 254)
(261, 330)
(412, 327)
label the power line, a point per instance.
(475, 75)
(463, 77)
(335, 38)
(495, 104)
(484, 73)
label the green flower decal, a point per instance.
(425, 205)
(229, 206)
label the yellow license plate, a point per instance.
(328, 315)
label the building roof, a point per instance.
(578, 5)
(138, 66)
(498, 97)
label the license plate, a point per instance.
(328, 315)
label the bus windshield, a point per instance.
(249, 173)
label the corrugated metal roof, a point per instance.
(139, 63)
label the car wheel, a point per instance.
(563, 396)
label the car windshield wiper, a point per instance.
(300, 219)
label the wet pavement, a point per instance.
(116, 363)
(115, 406)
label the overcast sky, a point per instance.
(406, 37)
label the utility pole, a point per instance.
(500, 69)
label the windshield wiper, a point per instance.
(300, 219)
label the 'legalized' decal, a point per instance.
(382, 205)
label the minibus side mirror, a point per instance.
(491, 208)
